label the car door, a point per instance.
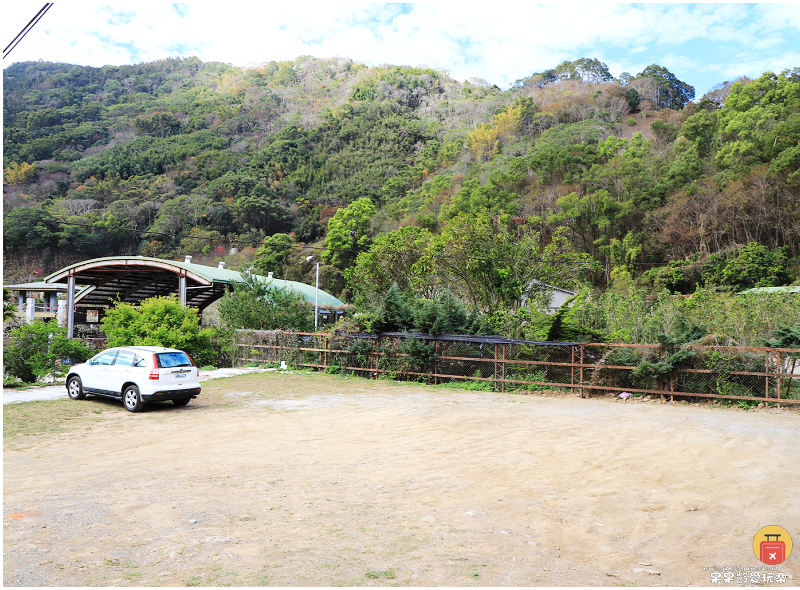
(95, 374)
(121, 372)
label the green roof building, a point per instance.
(134, 278)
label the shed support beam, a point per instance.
(182, 290)
(70, 304)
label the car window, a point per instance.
(167, 360)
(105, 358)
(124, 359)
(139, 361)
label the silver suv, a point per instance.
(136, 375)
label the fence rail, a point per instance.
(723, 372)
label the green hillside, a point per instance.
(623, 180)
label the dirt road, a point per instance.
(314, 480)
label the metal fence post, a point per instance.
(572, 370)
(503, 368)
(583, 391)
(436, 364)
(233, 360)
(766, 379)
(495, 366)
(779, 378)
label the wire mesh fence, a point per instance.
(694, 371)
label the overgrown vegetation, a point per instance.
(160, 321)
(39, 349)
(256, 305)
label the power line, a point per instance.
(26, 29)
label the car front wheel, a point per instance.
(75, 388)
(131, 399)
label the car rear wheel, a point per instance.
(75, 388)
(131, 399)
(181, 402)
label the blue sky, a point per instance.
(702, 44)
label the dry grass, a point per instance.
(24, 423)
(38, 418)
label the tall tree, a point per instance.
(273, 254)
(349, 232)
(390, 261)
(672, 93)
(491, 261)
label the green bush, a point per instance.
(161, 321)
(34, 349)
(362, 352)
(421, 356)
(256, 305)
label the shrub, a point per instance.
(34, 349)
(421, 356)
(161, 321)
(256, 305)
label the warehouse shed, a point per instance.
(134, 278)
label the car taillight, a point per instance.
(154, 370)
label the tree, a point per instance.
(390, 261)
(491, 261)
(29, 228)
(256, 305)
(260, 212)
(273, 254)
(33, 349)
(754, 265)
(349, 233)
(625, 78)
(632, 98)
(160, 321)
(445, 315)
(701, 129)
(585, 69)
(9, 309)
(18, 173)
(483, 142)
(760, 123)
(665, 133)
(473, 197)
(592, 70)
(672, 93)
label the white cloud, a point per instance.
(498, 42)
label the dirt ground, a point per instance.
(316, 480)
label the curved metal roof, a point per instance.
(37, 286)
(134, 278)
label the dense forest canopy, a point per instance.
(627, 179)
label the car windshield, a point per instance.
(167, 360)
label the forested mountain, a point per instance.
(182, 157)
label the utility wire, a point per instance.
(26, 29)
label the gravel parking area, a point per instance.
(316, 480)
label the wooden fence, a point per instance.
(734, 373)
